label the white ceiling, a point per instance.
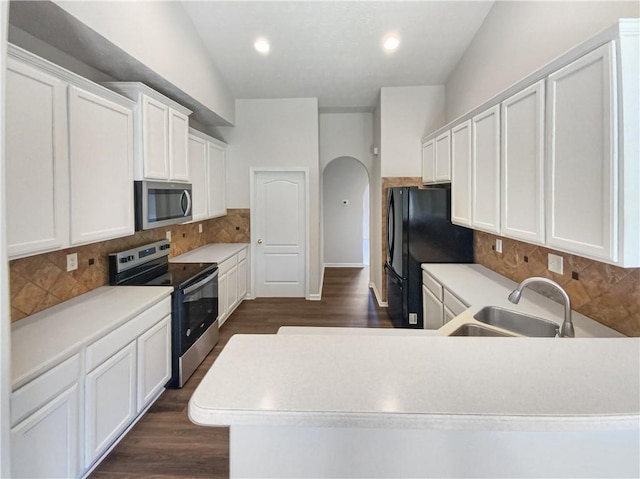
(332, 49)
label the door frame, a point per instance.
(253, 174)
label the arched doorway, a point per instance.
(345, 213)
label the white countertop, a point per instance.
(478, 286)
(533, 384)
(210, 253)
(43, 340)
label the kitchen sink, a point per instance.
(477, 330)
(519, 323)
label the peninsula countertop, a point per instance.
(532, 384)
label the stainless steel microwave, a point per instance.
(161, 203)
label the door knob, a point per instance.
(259, 241)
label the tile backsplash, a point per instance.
(603, 292)
(41, 281)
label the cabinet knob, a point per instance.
(259, 241)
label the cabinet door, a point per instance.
(101, 168)
(45, 444)
(217, 181)
(155, 139)
(461, 174)
(198, 169)
(36, 149)
(581, 156)
(486, 170)
(154, 361)
(428, 161)
(242, 279)
(110, 401)
(448, 315)
(232, 288)
(178, 146)
(432, 310)
(223, 294)
(443, 158)
(522, 170)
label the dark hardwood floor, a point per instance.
(164, 443)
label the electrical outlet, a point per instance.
(413, 318)
(200, 228)
(72, 262)
(555, 263)
(168, 235)
(498, 246)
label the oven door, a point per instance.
(195, 310)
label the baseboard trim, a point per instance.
(376, 293)
(317, 297)
(344, 265)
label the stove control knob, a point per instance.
(130, 257)
(124, 260)
(188, 332)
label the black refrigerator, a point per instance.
(419, 230)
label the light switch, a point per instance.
(200, 228)
(168, 235)
(498, 246)
(555, 263)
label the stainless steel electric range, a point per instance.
(194, 307)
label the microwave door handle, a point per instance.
(199, 284)
(185, 194)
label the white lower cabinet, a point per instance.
(432, 311)
(110, 400)
(232, 284)
(65, 420)
(45, 418)
(154, 361)
(439, 305)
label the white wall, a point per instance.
(5, 345)
(344, 179)
(346, 134)
(281, 133)
(406, 115)
(161, 36)
(375, 186)
(517, 38)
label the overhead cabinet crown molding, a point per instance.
(558, 164)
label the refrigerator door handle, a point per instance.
(391, 227)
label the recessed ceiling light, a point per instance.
(262, 45)
(391, 43)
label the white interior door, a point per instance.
(279, 226)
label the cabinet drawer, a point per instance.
(227, 264)
(432, 285)
(454, 304)
(242, 254)
(41, 390)
(116, 340)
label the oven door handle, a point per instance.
(199, 284)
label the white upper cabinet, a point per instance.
(101, 167)
(36, 160)
(485, 159)
(155, 134)
(69, 158)
(582, 156)
(443, 158)
(428, 161)
(461, 174)
(522, 184)
(436, 159)
(161, 134)
(207, 160)
(199, 183)
(217, 175)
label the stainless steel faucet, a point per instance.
(566, 330)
